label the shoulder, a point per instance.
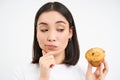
(26, 67)
(25, 71)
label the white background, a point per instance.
(97, 22)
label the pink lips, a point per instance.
(51, 47)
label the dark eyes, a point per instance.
(45, 30)
(60, 30)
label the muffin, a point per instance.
(95, 56)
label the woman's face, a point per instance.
(53, 32)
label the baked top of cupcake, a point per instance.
(95, 56)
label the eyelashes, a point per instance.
(60, 30)
(45, 30)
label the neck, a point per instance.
(60, 58)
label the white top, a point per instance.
(58, 72)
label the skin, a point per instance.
(99, 73)
(53, 34)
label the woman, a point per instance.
(56, 49)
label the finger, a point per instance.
(43, 52)
(52, 62)
(47, 61)
(89, 69)
(101, 69)
(52, 65)
(53, 52)
(97, 71)
(105, 70)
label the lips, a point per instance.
(51, 47)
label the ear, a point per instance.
(70, 33)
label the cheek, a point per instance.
(64, 40)
(40, 39)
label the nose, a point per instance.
(51, 36)
(50, 40)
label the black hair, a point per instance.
(72, 52)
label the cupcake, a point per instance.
(95, 56)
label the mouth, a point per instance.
(51, 47)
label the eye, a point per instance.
(44, 30)
(60, 30)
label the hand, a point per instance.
(46, 62)
(99, 73)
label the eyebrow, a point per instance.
(43, 23)
(55, 23)
(61, 22)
